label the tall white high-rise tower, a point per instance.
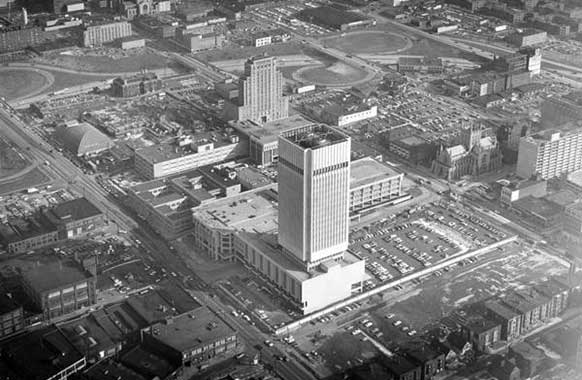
(314, 177)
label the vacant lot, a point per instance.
(32, 178)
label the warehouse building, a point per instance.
(192, 338)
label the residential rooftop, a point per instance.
(366, 171)
(195, 328)
(497, 307)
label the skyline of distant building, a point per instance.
(260, 95)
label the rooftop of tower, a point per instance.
(315, 136)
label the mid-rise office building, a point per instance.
(97, 35)
(260, 95)
(58, 288)
(550, 153)
(19, 37)
(189, 153)
(136, 85)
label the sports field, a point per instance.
(15, 83)
(370, 42)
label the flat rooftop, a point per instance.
(41, 353)
(21, 229)
(251, 211)
(46, 276)
(268, 245)
(165, 152)
(366, 171)
(270, 131)
(195, 328)
(76, 209)
(538, 206)
(315, 136)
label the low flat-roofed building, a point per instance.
(58, 287)
(166, 209)
(205, 149)
(341, 110)
(517, 190)
(191, 338)
(420, 64)
(263, 138)
(413, 149)
(431, 362)
(216, 225)
(312, 290)
(75, 217)
(167, 204)
(148, 363)
(66, 220)
(90, 338)
(11, 316)
(573, 219)
(42, 354)
(251, 178)
(372, 184)
(24, 235)
(540, 214)
(110, 369)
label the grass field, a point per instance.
(16, 83)
(11, 162)
(336, 74)
(104, 64)
(369, 42)
(31, 179)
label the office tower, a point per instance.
(260, 96)
(550, 153)
(314, 176)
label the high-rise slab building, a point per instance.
(314, 180)
(260, 96)
(550, 153)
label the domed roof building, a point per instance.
(82, 139)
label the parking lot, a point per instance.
(419, 238)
